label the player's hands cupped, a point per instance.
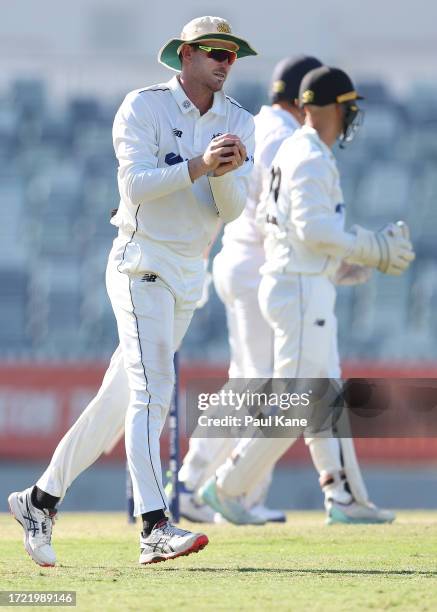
(223, 154)
(234, 158)
(228, 151)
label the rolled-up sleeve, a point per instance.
(230, 190)
(136, 147)
(315, 222)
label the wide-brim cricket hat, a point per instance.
(202, 28)
(326, 85)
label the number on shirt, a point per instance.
(275, 186)
(275, 182)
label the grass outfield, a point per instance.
(302, 565)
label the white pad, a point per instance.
(350, 461)
(325, 453)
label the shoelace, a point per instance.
(167, 528)
(47, 527)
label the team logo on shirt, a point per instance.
(340, 209)
(216, 135)
(177, 133)
(149, 277)
(171, 159)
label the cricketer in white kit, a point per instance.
(307, 252)
(185, 152)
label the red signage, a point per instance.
(38, 403)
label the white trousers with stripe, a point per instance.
(300, 311)
(152, 318)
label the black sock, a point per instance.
(43, 500)
(151, 518)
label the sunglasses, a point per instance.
(219, 54)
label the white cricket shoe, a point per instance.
(265, 514)
(37, 525)
(168, 542)
(269, 514)
(230, 508)
(192, 510)
(190, 507)
(355, 513)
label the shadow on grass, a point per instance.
(270, 570)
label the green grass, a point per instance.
(302, 565)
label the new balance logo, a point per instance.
(148, 277)
(177, 133)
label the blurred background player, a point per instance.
(236, 279)
(155, 271)
(307, 253)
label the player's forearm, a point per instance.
(139, 185)
(326, 237)
(229, 192)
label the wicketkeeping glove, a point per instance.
(389, 250)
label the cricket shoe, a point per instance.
(230, 508)
(268, 514)
(356, 513)
(37, 525)
(189, 506)
(192, 510)
(168, 542)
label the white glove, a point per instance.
(389, 249)
(351, 274)
(205, 290)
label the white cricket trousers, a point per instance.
(152, 318)
(236, 280)
(300, 310)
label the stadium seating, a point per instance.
(58, 186)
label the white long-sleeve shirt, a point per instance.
(272, 127)
(305, 229)
(162, 214)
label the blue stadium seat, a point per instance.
(13, 310)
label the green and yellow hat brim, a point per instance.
(168, 55)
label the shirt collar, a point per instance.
(306, 129)
(287, 117)
(185, 104)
